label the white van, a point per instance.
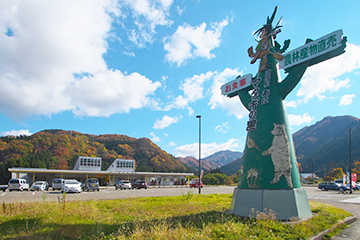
(18, 184)
(57, 183)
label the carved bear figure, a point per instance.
(280, 154)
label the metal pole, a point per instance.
(199, 117)
(350, 161)
(312, 174)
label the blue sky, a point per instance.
(147, 68)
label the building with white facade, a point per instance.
(90, 167)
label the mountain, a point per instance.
(232, 167)
(213, 161)
(221, 158)
(193, 163)
(58, 149)
(321, 146)
(325, 145)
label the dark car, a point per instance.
(139, 184)
(325, 186)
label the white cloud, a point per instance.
(193, 91)
(154, 137)
(171, 144)
(233, 106)
(165, 122)
(223, 128)
(291, 104)
(180, 10)
(321, 77)
(207, 149)
(189, 42)
(111, 92)
(147, 15)
(347, 99)
(296, 120)
(51, 43)
(16, 132)
(191, 111)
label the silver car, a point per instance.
(91, 184)
(124, 184)
(40, 186)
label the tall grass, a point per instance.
(189, 216)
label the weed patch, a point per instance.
(189, 216)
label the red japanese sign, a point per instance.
(239, 83)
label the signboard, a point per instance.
(312, 49)
(236, 85)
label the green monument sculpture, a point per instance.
(269, 176)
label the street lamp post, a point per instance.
(350, 161)
(199, 117)
(312, 174)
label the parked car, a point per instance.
(91, 184)
(39, 186)
(3, 187)
(195, 184)
(18, 184)
(124, 184)
(339, 181)
(71, 185)
(57, 183)
(325, 186)
(355, 186)
(139, 184)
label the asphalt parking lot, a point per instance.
(107, 193)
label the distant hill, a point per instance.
(213, 161)
(58, 149)
(232, 167)
(193, 163)
(325, 144)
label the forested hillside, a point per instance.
(213, 161)
(58, 149)
(322, 146)
(325, 145)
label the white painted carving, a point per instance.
(252, 176)
(251, 143)
(280, 154)
(241, 174)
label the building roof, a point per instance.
(308, 175)
(45, 170)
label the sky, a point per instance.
(147, 68)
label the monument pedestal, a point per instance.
(288, 204)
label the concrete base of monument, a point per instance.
(291, 204)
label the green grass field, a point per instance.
(188, 216)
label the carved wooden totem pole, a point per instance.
(269, 176)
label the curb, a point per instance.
(348, 220)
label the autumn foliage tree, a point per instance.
(59, 149)
(334, 174)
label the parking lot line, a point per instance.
(351, 200)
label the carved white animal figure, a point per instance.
(280, 154)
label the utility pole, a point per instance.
(199, 117)
(350, 161)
